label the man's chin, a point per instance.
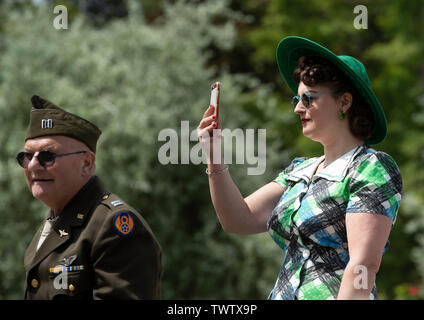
(42, 191)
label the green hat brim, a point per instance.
(290, 49)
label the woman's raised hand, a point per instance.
(209, 134)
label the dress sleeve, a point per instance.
(375, 186)
(281, 179)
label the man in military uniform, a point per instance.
(92, 245)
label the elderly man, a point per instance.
(92, 245)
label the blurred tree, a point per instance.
(134, 79)
(98, 12)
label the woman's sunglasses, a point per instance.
(45, 158)
(307, 98)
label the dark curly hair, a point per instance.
(315, 70)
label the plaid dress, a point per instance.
(309, 224)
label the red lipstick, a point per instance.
(304, 120)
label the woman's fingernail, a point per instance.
(211, 105)
(214, 124)
(213, 117)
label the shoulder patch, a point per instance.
(123, 222)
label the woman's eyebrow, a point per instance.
(307, 91)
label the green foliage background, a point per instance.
(149, 68)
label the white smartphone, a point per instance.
(215, 90)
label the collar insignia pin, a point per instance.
(63, 233)
(117, 203)
(46, 123)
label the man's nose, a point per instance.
(34, 164)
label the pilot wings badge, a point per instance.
(67, 261)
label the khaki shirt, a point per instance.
(98, 248)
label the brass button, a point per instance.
(105, 196)
(71, 287)
(34, 283)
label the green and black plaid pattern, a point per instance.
(309, 224)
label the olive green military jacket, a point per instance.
(98, 248)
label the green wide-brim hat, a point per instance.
(290, 49)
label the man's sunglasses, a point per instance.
(307, 98)
(45, 158)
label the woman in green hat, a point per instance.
(331, 215)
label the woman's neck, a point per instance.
(333, 151)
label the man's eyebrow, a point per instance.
(45, 148)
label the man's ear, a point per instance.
(88, 164)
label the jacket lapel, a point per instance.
(53, 240)
(32, 248)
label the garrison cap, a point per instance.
(47, 119)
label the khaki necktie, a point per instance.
(46, 231)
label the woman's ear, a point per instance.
(345, 101)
